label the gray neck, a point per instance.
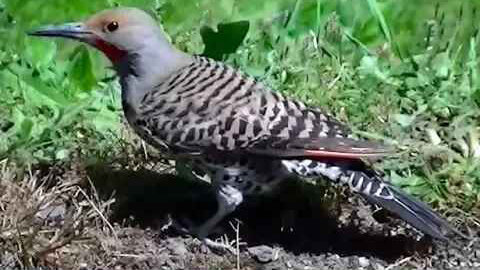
(144, 69)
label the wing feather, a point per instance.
(220, 108)
(320, 148)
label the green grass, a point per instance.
(403, 73)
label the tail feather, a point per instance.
(411, 210)
(370, 184)
(414, 212)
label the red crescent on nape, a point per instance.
(113, 53)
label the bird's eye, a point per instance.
(112, 27)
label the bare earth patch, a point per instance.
(115, 218)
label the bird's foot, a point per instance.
(222, 244)
(185, 225)
(188, 228)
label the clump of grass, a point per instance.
(42, 219)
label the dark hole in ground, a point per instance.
(148, 197)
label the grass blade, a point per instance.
(382, 23)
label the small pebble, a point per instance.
(177, 247)
(306, 262)
(263, 253)
(378, 266)
(335, 257)
(52, 212)
(363, 262)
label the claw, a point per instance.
(220, 246)
(188, 229)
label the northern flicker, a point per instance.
(246, 136)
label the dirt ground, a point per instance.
(301, 226)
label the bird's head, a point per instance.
(116, 32)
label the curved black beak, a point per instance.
(77, 31)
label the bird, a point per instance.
(246, 136)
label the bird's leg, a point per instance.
(228, 198)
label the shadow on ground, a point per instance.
(308, 226)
